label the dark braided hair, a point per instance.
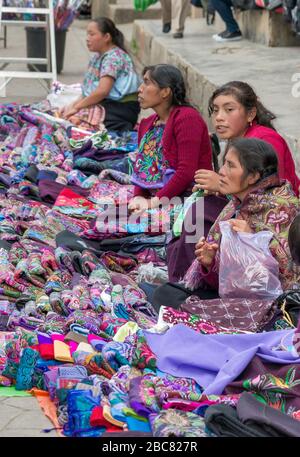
(106, 25)
(255, 156)
(169, 76)
(246, 96)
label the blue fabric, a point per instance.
(47, 174)
(80, 406)
(149, 290)
(26, 369)
(137, 425)
(213, 361)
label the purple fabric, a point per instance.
(260, 377)
(49, 190)
(136, 399)
(86, 147)
(50, 378)
(5, 179)
(98, 154)
(180, 254)
(76, 278)
(215, 360)
(47, 174)
(120, 278)
(43, 338)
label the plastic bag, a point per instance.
(178, 224)
(63, 94)
(142, 5)
(150, 273)
(247, 267)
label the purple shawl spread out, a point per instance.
(214, 361)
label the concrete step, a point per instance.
(124, 13)
(207, 64)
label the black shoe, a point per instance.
(228, 36)
(166, 27)
(178, 35)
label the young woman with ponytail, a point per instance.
(237, 112)
(173, 143)
(110, 81)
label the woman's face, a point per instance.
(150, 95)
(231, 176)
(229, 117)
(96, 40)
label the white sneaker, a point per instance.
(228, 36)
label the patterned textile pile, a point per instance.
(74, 322)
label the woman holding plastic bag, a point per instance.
(260, 202)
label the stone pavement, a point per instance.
(31, 90)
(22, 417)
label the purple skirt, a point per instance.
(181, 254)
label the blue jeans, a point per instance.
(223, 7)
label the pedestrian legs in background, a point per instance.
(180, 11)
(166, 6)
(232, 32)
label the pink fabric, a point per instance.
(285, 159)
(73, 346)
(92, 337)
(184, 405)
(186, 147)
(57, 337)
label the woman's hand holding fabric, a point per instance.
(70, 111)
(61, 111)
(67, 111)
(207, 180)
(138, 205)
(240, 225)
(205, 252)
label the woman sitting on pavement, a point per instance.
(173, 142)
(237, 112)
(110, 81)
(260, 201)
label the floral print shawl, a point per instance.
(270, 205)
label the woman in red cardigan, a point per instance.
(237, 112)
(173, 143)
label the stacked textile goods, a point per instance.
(78, 332)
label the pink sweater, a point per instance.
(186, 147)
(285, 160)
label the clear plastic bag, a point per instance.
(247, 267)
(148, 272)
(178, 224)
(63, 94)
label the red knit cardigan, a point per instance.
(286, 164)
(186, 146)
